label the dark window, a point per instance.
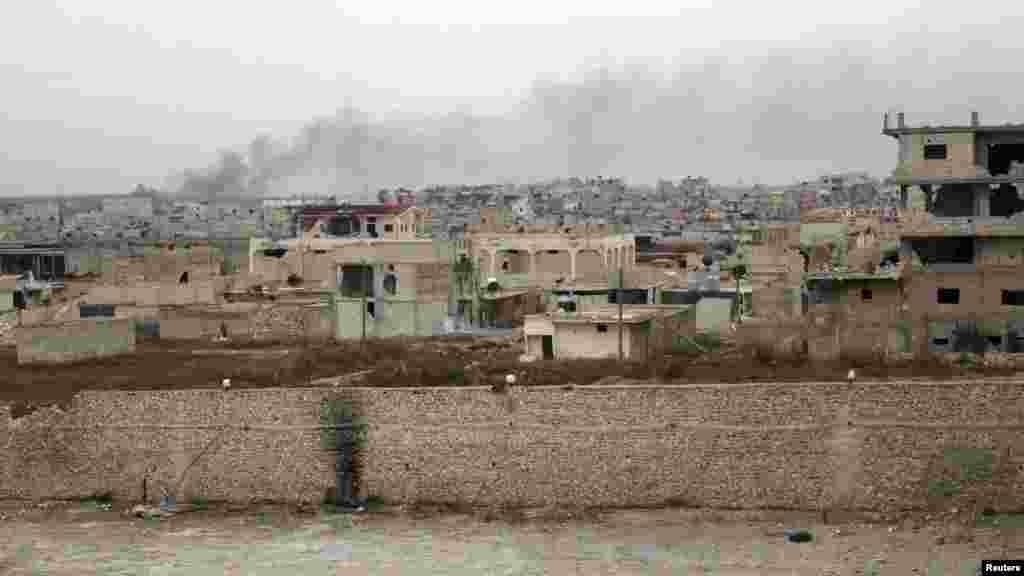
(866, 294)
(940, 341)
(935, 152)
(1013, 297)
(371, 309)
(948, 296)
(602, 327)
(996, 341)
(389, 228)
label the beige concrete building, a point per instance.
(594, 332)
(539, 255)
(391, 278)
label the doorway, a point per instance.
(548, 346)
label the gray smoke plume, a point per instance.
(776, 113)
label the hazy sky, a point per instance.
(101, 95)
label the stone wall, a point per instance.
(869, 446)
(71, 341)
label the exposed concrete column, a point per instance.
(533, 263)
(982, 206)
(494, 262)
(572, 263)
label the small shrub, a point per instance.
(199, 503)
(102, 498)
(456, 376)
(708, 341)
(374, 503)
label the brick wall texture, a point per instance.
(868, 446)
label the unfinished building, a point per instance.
(965, 284)
(541, 255)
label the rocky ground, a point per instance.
(92, 538)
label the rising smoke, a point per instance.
(765, 114)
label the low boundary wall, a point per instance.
(865, 446)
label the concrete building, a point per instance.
(391, 280)
(855, 312)
(594, 332)
(539, 255)
(45, 260)
(8, 286)
(962, 255)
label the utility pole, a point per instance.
(302, 230)
(619, 299)
(366, 288)
(209, 229)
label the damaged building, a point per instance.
(965, 282)
(390, 277)
(551, 262)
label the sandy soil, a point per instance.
(82, 539)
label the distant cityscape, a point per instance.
(689, 209)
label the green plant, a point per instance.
(333, 411)
(961, 466)
(101, 498)
(199, 503)
(374, 503)
(456, 375)
(943, 488)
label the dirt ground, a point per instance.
(82, 538)
(443, 361)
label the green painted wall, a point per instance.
(6, 301)
(391, 318)
(819, 232)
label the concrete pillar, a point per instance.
(572, 263)
(982, 208)
(533, 263)
(494, 263)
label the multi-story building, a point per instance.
(390, 278)
(964, 287)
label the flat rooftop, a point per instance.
(610, 314)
